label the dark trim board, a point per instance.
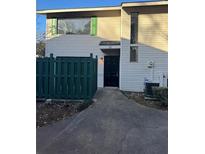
(111, 71)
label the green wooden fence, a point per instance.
(66, 77)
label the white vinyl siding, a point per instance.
(133, 74)
(76, 45)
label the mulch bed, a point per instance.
(48, 113)
(139, 98)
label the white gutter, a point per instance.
(116, 8)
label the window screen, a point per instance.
(74, 26)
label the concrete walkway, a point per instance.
(112, 125)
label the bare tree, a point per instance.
(40, 44)
(40, 38)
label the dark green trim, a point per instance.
(54, 26)
(93, 26)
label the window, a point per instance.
(133, 54)
(134, 37)
(74, 26)
(134, 28)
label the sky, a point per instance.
(60, 4)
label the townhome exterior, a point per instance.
(130, 41)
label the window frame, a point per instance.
(134, 43)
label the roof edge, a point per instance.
(106, 8)
(150, 3)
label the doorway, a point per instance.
(111, 71)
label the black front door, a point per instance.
(111, 71)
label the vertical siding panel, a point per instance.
(69, 79)
(51, 82)
(54, 77)
(91, 77)
(72, 79)
(85, 79)
(43, 78)
(58, 78)
(63, 83)
(46, 77)
(37, 78)
(66, 79)
(88, 78)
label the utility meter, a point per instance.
(150, 64)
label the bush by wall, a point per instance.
(161, 93)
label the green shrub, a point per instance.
(161, 93)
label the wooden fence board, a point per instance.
(66, 77)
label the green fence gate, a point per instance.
(66, 77)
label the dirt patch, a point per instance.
(139, 98)
(48, 113)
